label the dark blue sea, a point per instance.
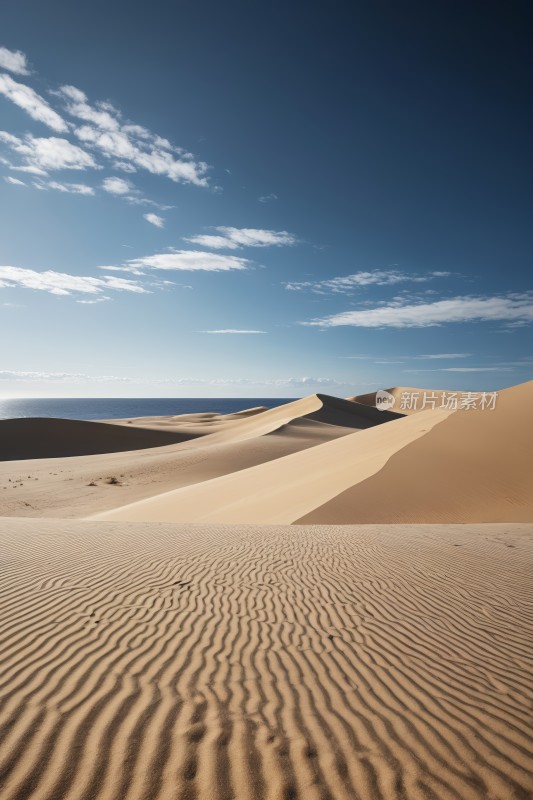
(118, 408)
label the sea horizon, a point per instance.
(93, 408)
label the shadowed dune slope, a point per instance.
(350, 413)
(166, 662)
(476, 466)
(35, 437)
(316, 407)
(259, 421)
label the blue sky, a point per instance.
(244, 199)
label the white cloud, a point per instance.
(304, 383)
(117, 186)
(445, 355)
(42, 155)
(32, 103)
(61, 283)
(102, 299)
(516, 309)
(14, 181)
(231, 330)
(14, 61)
(70, 188)
(8, 375)
(349, 283)
(234, 238)
(124, 165)
(267, 198)
(475, 369)
(129, 144)
(155, 219)
(186, 260)
(104, 116)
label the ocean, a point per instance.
(88, 408)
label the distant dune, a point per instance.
(56, 438)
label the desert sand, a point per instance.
(321, 601)
(166, 661)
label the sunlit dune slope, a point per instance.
(281, 491)
(477, 466)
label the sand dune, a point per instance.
(432, 466)
(80, 486)
(202, 423)
(319, 407)
(316, 407)
(142, 659)
(206, 663)
(282, 491)
(476, 466)
(56, 438)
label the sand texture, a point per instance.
(170, 662)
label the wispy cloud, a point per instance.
(268, 198)
(98, 127)
(61, 283)
(94, 302)
(125, 166)
(42, 155)
(129, 144)
(117, 186)
(66, 188)
(349, 283)
(298, 383)
(412, 356)
(32, 103)
(501, 368)
(444, 355)
(155, 219)
(183, 260)
(71, 377)
(513, 308)
(14, 61)
(14, 181)
(230, 330)
(234, 238)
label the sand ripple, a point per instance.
(142, 661)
